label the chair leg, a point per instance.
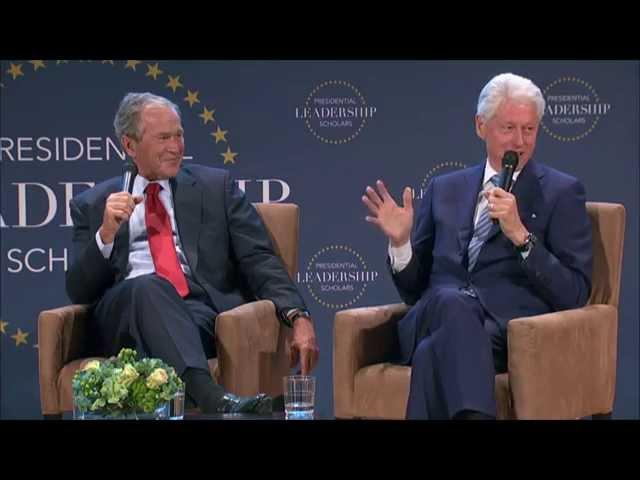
(601, 416)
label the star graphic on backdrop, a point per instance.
(58, 62)
(15, 71)
(3, 326)
(220, 134)
(207, 115)
(229, 156)
(153, 71)
(132, 64)
(20, 337)
(37, 64)
(174, 83)
(108, 61)
(192, 97)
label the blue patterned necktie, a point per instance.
(482, 229)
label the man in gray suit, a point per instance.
(160, 262)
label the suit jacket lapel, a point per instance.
(120, 255)
(467, 201)
(529, 193)
(187, 200)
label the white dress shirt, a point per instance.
(140, 259)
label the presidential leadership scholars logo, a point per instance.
(335, 112)
(438, 169)
(573, 109)
(337, 276)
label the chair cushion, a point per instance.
(390, 402)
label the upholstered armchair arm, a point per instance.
(61, 338)
(362, 336)
(562, 365)
(252, 349)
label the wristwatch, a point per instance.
(527, 246)
(294, 314)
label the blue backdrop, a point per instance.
(310, 132)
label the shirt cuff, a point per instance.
(400, 256)
(104, 249)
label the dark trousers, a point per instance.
(147, 314)
(455, 361)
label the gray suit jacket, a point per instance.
(226, 244)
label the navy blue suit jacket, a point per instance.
(224, 239)
(555, 276)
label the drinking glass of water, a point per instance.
(299, 397)
(176, 406)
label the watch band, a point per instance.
(528, 244)
(292, 316)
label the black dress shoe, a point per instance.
(260, 404)
(278, 403)
(189, 402)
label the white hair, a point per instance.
(508, 86)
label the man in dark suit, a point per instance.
(161, 262)
(480, 256)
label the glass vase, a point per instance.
(160, 413)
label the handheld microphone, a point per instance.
(509, 164)
(129, 174)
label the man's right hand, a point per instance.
(117, 210)
(394, 221)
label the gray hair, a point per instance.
(127, 121)
(508, 86)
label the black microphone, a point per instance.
(129, 173)
(509, 164)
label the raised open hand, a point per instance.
(395, 221)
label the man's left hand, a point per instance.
(303, 345)
(504, 207)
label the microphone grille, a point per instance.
(130, 167)
(510, 159)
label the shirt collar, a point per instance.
(490, 172)
(140, 183)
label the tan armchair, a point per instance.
(252, 345)
(561, 365)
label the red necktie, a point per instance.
(161, 243)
